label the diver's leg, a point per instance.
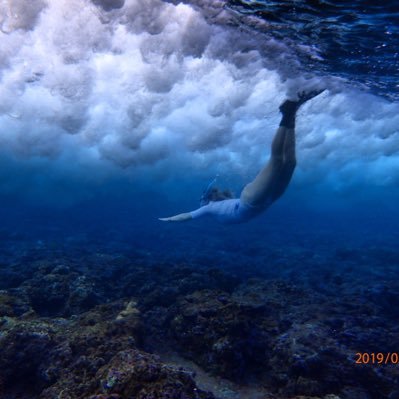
(289, 164)
(289, 109)
(273, 179)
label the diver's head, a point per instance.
(215, 194)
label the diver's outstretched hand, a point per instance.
(182, 217)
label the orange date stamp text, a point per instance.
(377, 358)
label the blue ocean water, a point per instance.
(113, 114)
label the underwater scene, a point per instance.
(199, 199)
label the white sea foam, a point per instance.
(148, 87)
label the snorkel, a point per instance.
(205, 195)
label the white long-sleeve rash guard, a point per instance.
(228, 211)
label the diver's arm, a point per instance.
(181, 217)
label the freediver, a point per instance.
(270, 183)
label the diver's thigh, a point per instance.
(260, 189)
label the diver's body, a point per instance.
(268, 185)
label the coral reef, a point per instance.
(88, 324)
(88, 355)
